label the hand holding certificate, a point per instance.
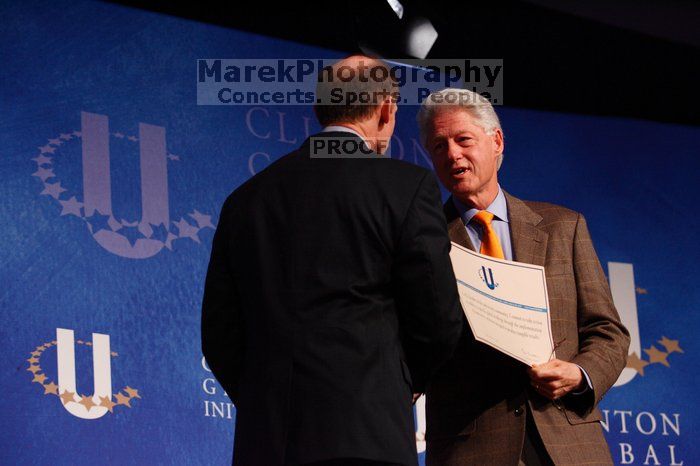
(506, 304)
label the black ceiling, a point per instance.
(553, 60)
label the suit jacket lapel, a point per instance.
(455, 225)
(529, 242)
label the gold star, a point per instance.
(107, 403)
(89, 343)
(54, 342)
(641, 290)
(671, 345)
(657, 356)
(80, 342)
(114, 353)
(40, 348)
(67, 396)
(51, 389)
(133, 393)
(32, 360)
(87, 402)
(36, 353)
(34, 369)
(122, 400)
(39, 378)
(633, 362)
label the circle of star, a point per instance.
(185, 228)
(50, 388)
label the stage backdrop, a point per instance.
(112, 179)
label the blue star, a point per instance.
(160, 233)
(98, 222)
(132, 234)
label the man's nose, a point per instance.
(453, 151)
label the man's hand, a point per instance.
(556, 378)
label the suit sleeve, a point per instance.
(603, 340)
(430, 316)
(222, 325)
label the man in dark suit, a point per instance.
(484, 407)
(330, 296)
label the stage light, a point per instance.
(400, 31)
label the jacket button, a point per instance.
(518, 411)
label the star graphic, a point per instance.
(72, 207)
(671, 345)
(67, 396)
(203, 221)
(107, 403)
(65, 136)
(39, 378)
(133, 393)
(186, 230)
(132, 138)
(159, 232)
(47, 149)
(99, 221)
(132, 234)
(641, 290)
(89, 343)
(116, 225)
(633, 362)
(42, 159)
(657, 356)
(169, 241)
(32, 360)
(145, 229)
(114, 353)
(80, 342)
(36, 353)
(55, 142)
(119, 135)
(122, 400)
(40, 348)
(34, 369)
(51, 389)
(173, 157)
(44, 173)
(53, 190)
(87, 402)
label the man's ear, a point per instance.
(498, 141)
(386, 111)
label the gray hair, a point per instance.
(451, 99)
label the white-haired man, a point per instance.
(484, 407)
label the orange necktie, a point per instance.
(490, 245)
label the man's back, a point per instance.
(320, 265)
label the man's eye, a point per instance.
(438, 146)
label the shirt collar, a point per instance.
(498, 208)
(342, 129)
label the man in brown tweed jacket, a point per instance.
(483, 407)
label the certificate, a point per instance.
(506, 304)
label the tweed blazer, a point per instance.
(478, 404)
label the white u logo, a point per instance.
(102, 369)
(625, 299)
(97, 185)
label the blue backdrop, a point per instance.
(98, 97)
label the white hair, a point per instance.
(452, 99)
